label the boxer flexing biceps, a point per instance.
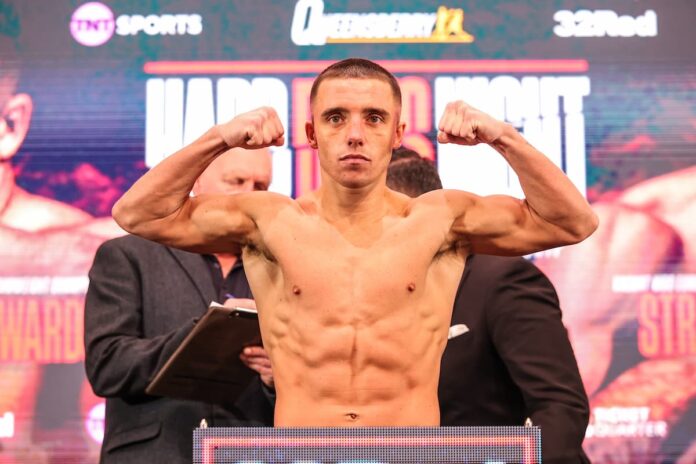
(355, 282)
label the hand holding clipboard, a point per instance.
(207, 365)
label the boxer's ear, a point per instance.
(311, 135)
(16, 118)
(400, 129)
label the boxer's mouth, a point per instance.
(354, 157)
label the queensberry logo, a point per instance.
(311, 26)
(93, 24)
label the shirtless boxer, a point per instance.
(354, 282)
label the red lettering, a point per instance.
(686, 324)
(667, 304)
(73, 330)
(306, 162)
(41, 329)
(53, 322)
(10, 329)
(416, 112)
(648, 330)
(32, 332)
(667, 325)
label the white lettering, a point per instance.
(166, 24)
(624, 422)
(194, 24)
(306, 26)
(164, 118)
(663, 283)
(547, 110)
(604, 23)
(44, 285)
(685, 283)
(655, 283)
(67, 285)
(630, 283)
(171, 124)
(199, 115)
(311, 26)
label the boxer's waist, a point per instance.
(417, 407)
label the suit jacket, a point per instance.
(516, 360)
(141, 303)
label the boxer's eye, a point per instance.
(335, 118)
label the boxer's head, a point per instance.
(356, 110)
(356, 68)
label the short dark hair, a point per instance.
(356, 68)
(403, 153)
(411, 175)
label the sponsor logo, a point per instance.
(311, 26)
(166, 24)
(93, 24)
(604, 23)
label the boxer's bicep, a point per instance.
(217, 223)
(502, 225)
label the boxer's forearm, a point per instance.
(548, 191)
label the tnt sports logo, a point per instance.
(93, 24)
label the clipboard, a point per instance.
(206, 365)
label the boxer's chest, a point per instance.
(390, 253)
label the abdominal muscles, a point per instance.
(340, 368)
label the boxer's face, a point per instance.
(236, 171)
(355, 125)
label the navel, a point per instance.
(296, 290)
(352, 417)
(411, 287)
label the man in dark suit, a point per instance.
(143, 299)
(508, 357)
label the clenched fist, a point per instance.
(465, 125)
(254, 129)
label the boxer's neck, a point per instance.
(340, 205)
